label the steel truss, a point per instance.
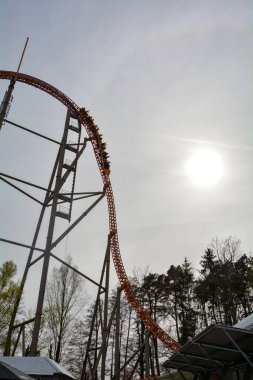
(54, 198)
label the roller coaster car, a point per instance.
(113, 232)
(83, 110)
(106, 168)
(105, 155)
(99, 140)
(106, 171)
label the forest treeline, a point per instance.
(183, 300)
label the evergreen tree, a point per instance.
(179, 298)
(224, 271)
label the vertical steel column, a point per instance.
(147, 353)
(42, 289)
(104, 343)
(17, 341)
(23, 340)
(23, 281)
(6, 101)
(86, 359)
(7, 97)
(117, 338)
(104, 325)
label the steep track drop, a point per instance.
(88, 123)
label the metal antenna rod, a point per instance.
(5, 106)
(22, 56)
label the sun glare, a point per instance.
(205, 168)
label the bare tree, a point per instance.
(226, 249)
(65, 298)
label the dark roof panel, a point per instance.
(9, 372)
(215, 347)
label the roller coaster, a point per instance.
(101, 156)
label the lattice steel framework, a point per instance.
(88, 123)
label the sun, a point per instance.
(205, 168)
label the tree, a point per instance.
(207, 289)
(225, 270)
(226, 249)
(92, 325)
(244, 284)
(179, 299)
(153, 296)
(8, 293)
(77, 345)
(64, 300)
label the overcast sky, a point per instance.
(162, 79)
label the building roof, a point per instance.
(213, 349)
(9, 372)
(246, 323)
(36, 365)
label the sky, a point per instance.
(163, 80)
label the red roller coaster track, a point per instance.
(88, 123)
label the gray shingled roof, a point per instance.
(36, 365)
